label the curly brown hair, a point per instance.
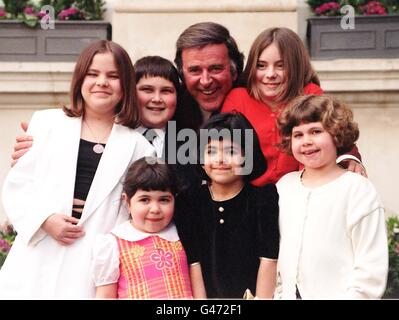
(336, 118)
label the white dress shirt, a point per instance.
(158, 141)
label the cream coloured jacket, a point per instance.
(333, 239)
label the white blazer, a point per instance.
(42, 183)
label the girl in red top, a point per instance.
(278, 70)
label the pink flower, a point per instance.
(3, 13)
(162, 259)
(328, 9)
(373, 7)
(30, 10)
(4, 246)
(41, 14)
(6, 228)
(71, 14)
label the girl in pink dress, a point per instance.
(143, 258)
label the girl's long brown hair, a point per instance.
(126, 111)
(297, 67)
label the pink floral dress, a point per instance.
(145, 266)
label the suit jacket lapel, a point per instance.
(113, 164)
(65, 148)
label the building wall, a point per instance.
(152, 27)
(25, 88)
(370, 88)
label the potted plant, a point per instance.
(353, 29)
(50, 30)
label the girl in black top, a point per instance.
(229, 228)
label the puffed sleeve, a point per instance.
(268, 235)
(105, 263)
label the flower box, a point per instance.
(63, 43)
(374, 36)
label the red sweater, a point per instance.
(264, 122)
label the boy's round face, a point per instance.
(157, 99)
(223, 162)
(270, 73)
(313, 146)
(151, 211)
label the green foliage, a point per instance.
(391, 5)
(15, 7)
(58, 5)
(362, 7)
(353, 3)
(317, 3)
(392, 290)
(93, 9)
(85, 10)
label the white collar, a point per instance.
(160, 132)
(126, 231)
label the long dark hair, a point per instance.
(231, 122)
(297, 67)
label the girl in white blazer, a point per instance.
(50, 258)
(333, 242)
